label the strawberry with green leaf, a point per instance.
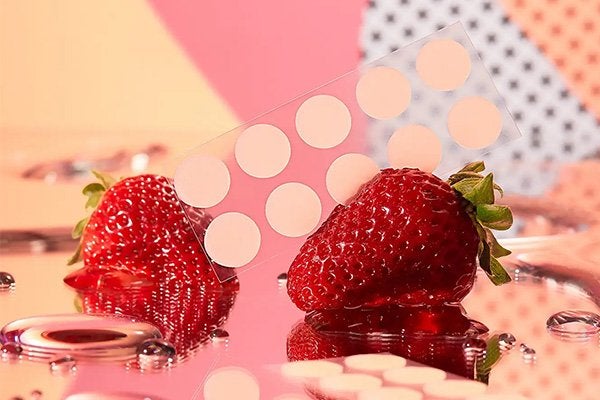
(407, 238)
(138, 234)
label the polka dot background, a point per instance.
(259, 195)
(563, 370)
(557, 126)
(568, 31)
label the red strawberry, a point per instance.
(138, 235)
(430, 335)
(406, 237)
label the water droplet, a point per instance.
(155, 354)
(63, 365)
(7, 281)
(574, 325)
(219, 336)
(282, 279)
(11, 351)
(36, 394)
(82, 336)
(528, 354)
(506, 341)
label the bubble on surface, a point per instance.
(506, 341)
(10, 350)
(155, 354)
(105, 337)
(574, 325)
(282, 279)
(219, 336)
(7, 281)
(63, 365)
(528, 354)
(36, 394)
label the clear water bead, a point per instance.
(10, 350)
(282, 279)
(36, 394)
(219, 336)
(155, 353)
(574, 325)
(63, 365)
(7, 281)
(506, 341)
(528, 354)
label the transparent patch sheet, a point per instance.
(308, 164)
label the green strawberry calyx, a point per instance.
(94, 192)
(478, 190)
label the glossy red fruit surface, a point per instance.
(139, 235)
(430, 335)
(405, 238)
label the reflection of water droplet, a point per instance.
(529, 355)
(506, 341)
(11, 350)
(574, 325)
(282, 279)
(155, 353)
(36, 394)
(474, 350)
(63, 365)
(7, 281)
(219, 336)
(474, 345)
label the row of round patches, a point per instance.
(264, 151)
(292, 209)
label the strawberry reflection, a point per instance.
(184, 311)
(429, 335)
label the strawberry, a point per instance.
(429, 335)
(139, 236)
(406, 237)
